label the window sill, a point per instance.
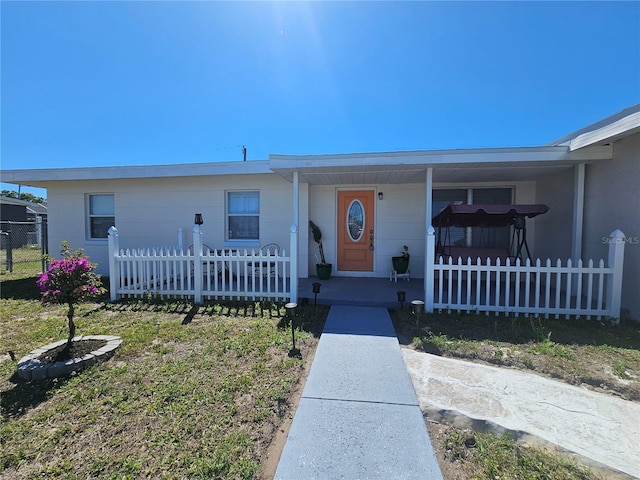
(248, 244)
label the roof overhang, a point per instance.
(629, 125)
(449, 166)
(605, 131)
(42, 177)
(588, 145)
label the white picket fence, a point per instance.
(549, 288)
(584, 289)
(200, 273)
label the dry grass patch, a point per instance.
(194, 392)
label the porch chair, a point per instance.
(206, 250)
(268, 268)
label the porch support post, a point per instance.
(180, 239)
(614, 282)
(197, 264)
(429, 244)
(114, 272)
(430, 253)
(293, 280)
(293, 232)
(578, 212)
(296, 199)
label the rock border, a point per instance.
(30, 368)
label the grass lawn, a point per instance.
(201, 392)
(193, 392)
(26, 260)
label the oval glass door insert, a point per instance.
(355, 220)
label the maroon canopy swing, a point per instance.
(487, 215)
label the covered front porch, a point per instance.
(406, 188)
(403, 186)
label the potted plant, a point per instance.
(323, 269)
(401, 262)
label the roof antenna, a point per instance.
(244, 153)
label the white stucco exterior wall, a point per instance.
(149, 212)
(612, 201)
(554, 229)
(399, 220)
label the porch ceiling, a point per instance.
(453, 173)
(453, 166)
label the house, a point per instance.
(26, 221)
(15, 210)
(367, 205)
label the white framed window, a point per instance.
(100, 215)
(243, 215)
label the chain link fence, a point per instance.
(22, 246)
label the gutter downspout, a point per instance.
(578, 213)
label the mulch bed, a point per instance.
(78, 349)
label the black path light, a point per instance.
(402, 297)
(316, 290)
(291, 313)
(417, 308)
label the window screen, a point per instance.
(243, 215)
(101, 215)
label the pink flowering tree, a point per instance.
(69, 280)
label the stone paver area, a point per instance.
(602, 429)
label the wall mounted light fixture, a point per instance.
(198, 220)
(380, 195)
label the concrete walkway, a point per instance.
(601, 429)
(359, 416)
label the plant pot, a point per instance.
(400, 264)
(323, 270)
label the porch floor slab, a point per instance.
(364, 291)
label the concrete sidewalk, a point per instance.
(359, 416)
(601, 429)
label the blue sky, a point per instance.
(143, 83)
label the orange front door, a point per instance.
(355, 230)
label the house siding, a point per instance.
(554, 229)
(399, 220)
(322, 211)
(612, 201)
(149, 212)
